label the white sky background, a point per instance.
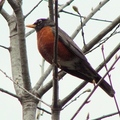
(101, 103)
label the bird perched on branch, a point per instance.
(70, 58)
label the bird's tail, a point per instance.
(107, 88)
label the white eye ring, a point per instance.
(39, 21)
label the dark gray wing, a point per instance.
(70, 44)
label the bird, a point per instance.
(70, 57)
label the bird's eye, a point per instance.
(39, 22)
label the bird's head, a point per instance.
(40, 23)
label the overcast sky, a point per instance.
(100, 103)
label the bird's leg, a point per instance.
(93, 81)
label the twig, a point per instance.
(113, 33)
(46, 87)
(72, 94)
(94, 89)
(96, 19)
(44, 110)
(7, 48)
(65, 5)
(101, 4)
(105, 31)
(109, 56)
(33, 9)
(9, 93)
(104, 40)
(43, 77)
(105, 116)
(76, 98)
(24, 88)
(109, 77)
(29, 33)
(82, 31)
(38, 112)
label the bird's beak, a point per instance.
(31, 26)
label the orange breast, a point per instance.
(45, 41)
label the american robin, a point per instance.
(70, 58)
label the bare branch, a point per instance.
(9, 93)
(33, 9)
(88, 90)
(29, 33)
(14, 4)
(65, 5)
(23, 88)
(105, 116)
(7, 48)
(55, 103)
(96, 19)
(72, 94)
(5, 15)
(109, 57)
(22, 44)
(109, 78)
(1, 4)
(101, 34)
(51, 9)
(101, 4)
(82, 31)
(46, 87)
(43, 77)
(44, 110)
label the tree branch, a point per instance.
(15, 82)
(112, 53)
(46, 87)
(101, 35)
(5, 15)
(109, 76)
(72, 94)
(1, 3)
(43, 77)
(100, 5)
(51, 9)
(65, 5)
(14, 4)
(105, 116)
(22, 44)
(9, 93)
(33, 9)
(7, 48)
